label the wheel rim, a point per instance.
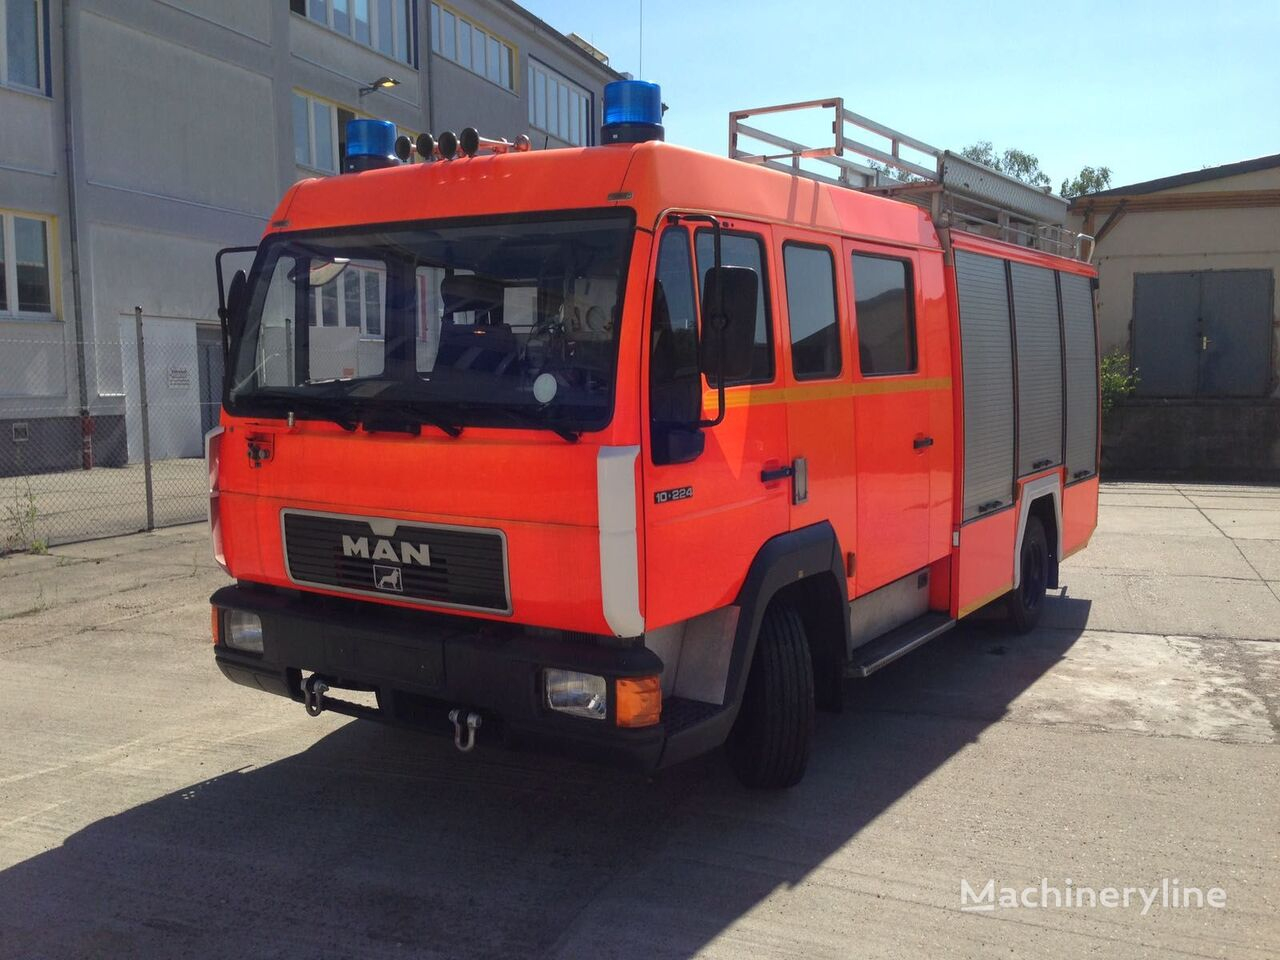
(1033, 577)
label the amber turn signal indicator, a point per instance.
(215, 625)
(639, 701)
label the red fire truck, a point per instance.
(631, 451)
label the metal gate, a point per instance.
(1203, 333)
(209, 343)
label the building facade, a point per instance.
(138, 137)
(1187, 271)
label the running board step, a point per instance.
(882, 651)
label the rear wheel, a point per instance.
(771, 740)
(1026, 603)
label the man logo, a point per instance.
(388, 578)
(408, 554)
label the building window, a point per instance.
(469, 45)
(559, 106)
(885, 318)
(353, 299)
(381, 24)
(22, 50)
(26, 280)
(320, 132)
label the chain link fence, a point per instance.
(136, 462)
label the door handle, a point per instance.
(798, 471)
(921, 442)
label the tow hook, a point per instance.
(472, 723)
(313, 691)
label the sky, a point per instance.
(1149, 89)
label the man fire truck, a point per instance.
(631, 451)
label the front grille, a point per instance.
(443, 566)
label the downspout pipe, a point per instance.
(73, 233)
(425, 56)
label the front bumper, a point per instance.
(422, 665)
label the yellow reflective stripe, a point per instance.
(759, 396)
(983, 601)
(871, 387)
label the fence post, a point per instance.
(146, 419)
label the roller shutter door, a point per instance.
(1039, 341)
(987, 359)
(1082, 376)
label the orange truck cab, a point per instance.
(631, 451)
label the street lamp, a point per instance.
(382, 83)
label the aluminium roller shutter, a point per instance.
(987, 358)
(1039, 342)
(1081, 341)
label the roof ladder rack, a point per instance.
(958, 193)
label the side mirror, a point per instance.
(233, 313)
(728, 323)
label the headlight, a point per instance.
(243, 631)
(577, 694)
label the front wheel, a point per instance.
(771, 740)
(1026, 603)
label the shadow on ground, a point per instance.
(377, 842)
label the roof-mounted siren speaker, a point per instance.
(632, 112)
(371, 144)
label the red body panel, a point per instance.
(1079, 515)
(983, 565)
(552, 539)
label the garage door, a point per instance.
(1203, 333)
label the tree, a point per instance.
(893, 173)
(1089, 180)
(1016, 163)
(1020, 165)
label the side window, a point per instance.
(811, 310)
(885, 316)
(743, 250)
(674, 387)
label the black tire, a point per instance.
(1026, 603)
(771, 740)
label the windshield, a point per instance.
(506, 323)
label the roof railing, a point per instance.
(958, 192)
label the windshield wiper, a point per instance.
(309, 408)
(523, 416)
(380, 415)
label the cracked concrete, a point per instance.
(148, 807)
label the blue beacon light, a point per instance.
(632, 112)
(370, 144)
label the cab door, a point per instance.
(706, 517)
(816, 352)
(893, 435)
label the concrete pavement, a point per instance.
(149, 808)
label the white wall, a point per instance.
(168, 276)
(167, 120)
(173, 388)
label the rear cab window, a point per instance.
(812, 317)
(884, 313)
